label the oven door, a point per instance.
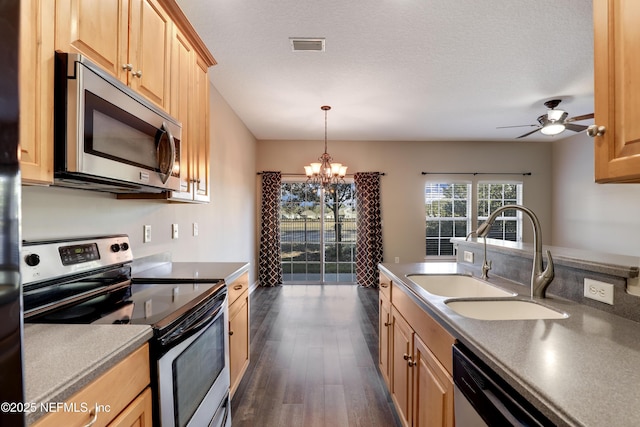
(193, 375)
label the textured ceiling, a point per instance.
(400, 70)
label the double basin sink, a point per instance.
(475, 298)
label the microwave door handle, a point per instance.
(165, 173)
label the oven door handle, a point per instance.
(181, 334)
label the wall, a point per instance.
(586, 215)
(403, 185)
(226, 225)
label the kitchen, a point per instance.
(575, 212)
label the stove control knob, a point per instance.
(115, 247)
(32, 260)
(124, 246)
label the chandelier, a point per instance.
(325, 173)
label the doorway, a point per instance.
(317, 232)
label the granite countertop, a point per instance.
(59, 360)
(580, 371)
(174, 272)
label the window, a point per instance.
(491, 196)
(452, 211)
(448, 214)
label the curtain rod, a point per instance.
(477, 173)
(302, 174)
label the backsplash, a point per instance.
(513, 261)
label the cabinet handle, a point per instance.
(95, 416)
(595, 130)
(237, 287)
(127, 67)
(384, 285)
(137, 73)
(387, 323)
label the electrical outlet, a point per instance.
(146, 235)
(174, 231)
(195, 229)
(468, 257)
(397, 260)
(599, 291)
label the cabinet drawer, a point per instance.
(237, 287)
(112, 392)
(385, 286)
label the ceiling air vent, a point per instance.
(299, 44)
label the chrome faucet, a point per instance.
(540, 279)
(486, 265)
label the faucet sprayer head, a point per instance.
(484, 229)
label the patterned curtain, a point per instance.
(269, 266)
(369, 228)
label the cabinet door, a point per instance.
(36, 91)
(384, 334)
(138, 413)
(149, 50)
(402, 339)
(97, 29)
(238, 340)
(182, 71)
(432, 389)
(617, 83)
(201, 132)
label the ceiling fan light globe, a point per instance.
(553, 129)
(555, 115)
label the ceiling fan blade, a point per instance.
(517, 126)
(575, 128)
(528, 133)
(578, 118)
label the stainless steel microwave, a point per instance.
(108, 137)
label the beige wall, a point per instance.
(586, 215)
(403, 185)
(227, 227)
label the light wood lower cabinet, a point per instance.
(238, 329)
(415, 361)
(121, 394)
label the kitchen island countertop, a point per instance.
(580, 371)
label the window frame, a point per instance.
(473, 202)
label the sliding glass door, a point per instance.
(317, 233)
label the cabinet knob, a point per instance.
(137, 73)
(595, 130)
(411, 363)
(406, 356)
(230, 333)
(127, 67)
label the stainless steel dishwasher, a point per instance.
(482, 398)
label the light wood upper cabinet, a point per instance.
(36, 69)
(617, 83)
(200, 133)
(130, 39)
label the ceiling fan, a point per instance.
(555, 121)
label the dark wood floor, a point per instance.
(313, 360)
